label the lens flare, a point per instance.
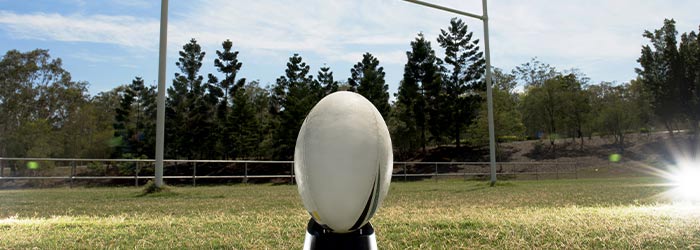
(32, 165)
(615, 157)
(686, 181)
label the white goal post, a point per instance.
(160, 120)
(489, 96)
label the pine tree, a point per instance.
(661, 72)
(403, 119)
(245, 126)
(367, 79)
(463, 80)
(123, 129)
(422, 78)
(145, 106)
(689, 56)
(228, 64)
(188, 111)
(264, 119)
(325, 79)
(293, 97)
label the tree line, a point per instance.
(440, 102)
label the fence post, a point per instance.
(488, 167)
(2, 172)
(136, 175)
(436, 172)
(465, 174)
(499, 168)
(72, 173)
(245, 173)
(194, 175)
(291, 176)
(405, 176)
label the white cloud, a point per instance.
(602, 38)
(390, 57)
(137, 3)
(126, 31)
(594, 35)
(331, 29)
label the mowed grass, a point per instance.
(448, 214)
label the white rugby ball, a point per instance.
(343, 161)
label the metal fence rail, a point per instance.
(401, 170)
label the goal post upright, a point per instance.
(489, 92)
(160, 120)
(160, 117)
(489, 96)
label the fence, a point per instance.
(140, 170)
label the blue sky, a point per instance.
(109, 42)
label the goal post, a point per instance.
(160, 120)
(489, 92)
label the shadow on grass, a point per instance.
(472, 189)
(484, 186)
(151, 190)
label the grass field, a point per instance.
(592, 213)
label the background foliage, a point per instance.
(440, 102)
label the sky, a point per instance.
(109, 42)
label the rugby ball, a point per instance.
(343, 161)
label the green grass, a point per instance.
(592, 213)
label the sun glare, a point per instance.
(686, 181)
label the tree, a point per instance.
(293, 97)
(507, 119)
(45, 113)
(144, 135)
(39, 103)
(67, 97)
(403, 119)
(689, 57)
(222, 92)
(534, 73)
(617, 111)
(402, 125)
(188, 109)
(421, 73)
(244, 125)
(325, 79)
(463, 79)
(134, 121)
(260, 100)
(534, 76)
(661, 73)
(642, 103)
(558, 106)
(123, 129)
(367, 79)
(228, 64)
(541, 107)
(576, 105)
(95, 121)
(504, 81)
